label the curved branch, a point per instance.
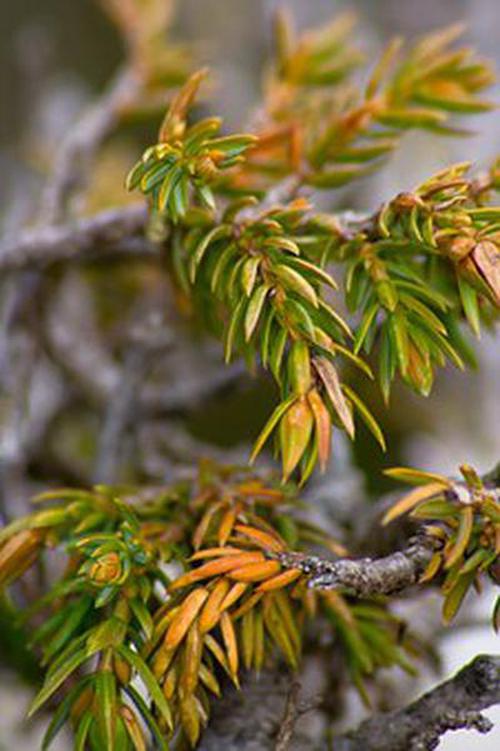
(366, 577)
(455, 704)
(113, 230)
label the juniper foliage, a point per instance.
(167, 593)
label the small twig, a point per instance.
(283, 191)
(453, 705)
(73, 160)
(280, 194)
(113, 232)
(294, 709)
(289, 718)
(365, 577)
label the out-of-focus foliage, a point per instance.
(174, 588)
(464, 517)
(144, 26)
(316, 121)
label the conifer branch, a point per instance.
(459, 539)
(366, 577)
(428, 259)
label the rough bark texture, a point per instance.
(366, 576)
(453, 705)
(268, 714)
